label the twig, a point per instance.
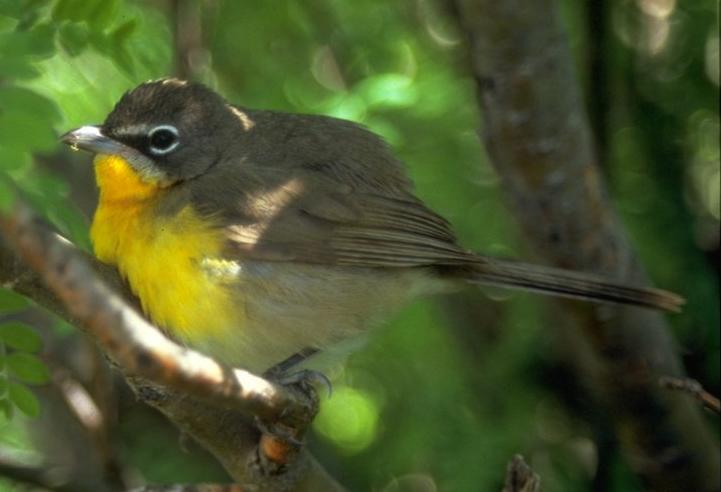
(693, 388)
(520, 477)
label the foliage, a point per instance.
(417, 403)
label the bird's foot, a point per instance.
(286, 365)
(306, 379)
(281, 441)
(303, 379)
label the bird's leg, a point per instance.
(304, 377)
(282, 367)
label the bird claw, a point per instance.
(303, 381)
(306, 378)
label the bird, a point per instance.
(262, 238)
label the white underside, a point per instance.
(291, 307)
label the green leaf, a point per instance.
(121, 33)
(72, 10)
(18, 68)
(6, 408)
(97, 13)
(37, 42)
(11, 8)
(24, 132)
(7, 195)
(70, 222)
(102, 13)
(74, 38)
(27, 368)
(20, 9)
(24, 399)
(63, 328)
(23, 101)
(11, 301)
(13, 160)
(20, 337)
(48, 187)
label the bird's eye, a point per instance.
(163, 139)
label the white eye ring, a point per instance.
(164, 150)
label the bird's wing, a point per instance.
(309, 218)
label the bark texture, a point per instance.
(538, 138)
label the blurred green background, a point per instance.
(442, 398)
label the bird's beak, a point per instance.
(90, 138)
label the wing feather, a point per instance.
(316, 221)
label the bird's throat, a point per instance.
(119, 182)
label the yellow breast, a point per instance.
(170, 261)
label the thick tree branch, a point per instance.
(213, 403)
(538, 139)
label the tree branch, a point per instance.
(537, 136)
(37, 476)
(520, 477)
(213, 403)
(191, 58)
(693, 388)
(136, 345)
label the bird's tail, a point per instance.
(565, 283)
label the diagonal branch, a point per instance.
(213, 403)
(136, 345)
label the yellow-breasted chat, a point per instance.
(256, 235)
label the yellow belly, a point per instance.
(170, 261)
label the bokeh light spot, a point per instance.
(389, 90)
(349, 419)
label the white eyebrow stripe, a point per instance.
(132, 129)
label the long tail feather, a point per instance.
(564, 283)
